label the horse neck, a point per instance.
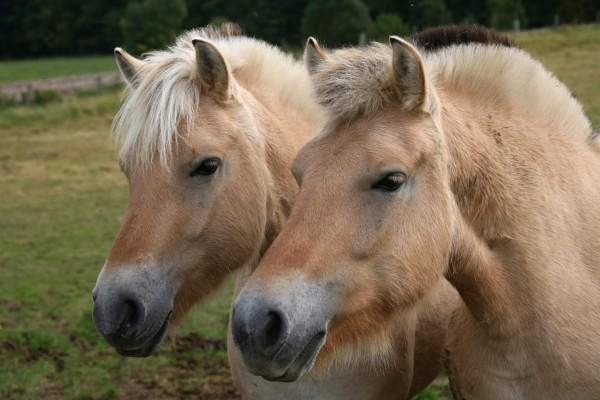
(512, 243)
(477, 167)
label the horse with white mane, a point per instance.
(208, 133)
(471, 163)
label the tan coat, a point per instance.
(470, 162)
(208, 133)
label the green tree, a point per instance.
(58, 27)
(540, 12)
(502, 13)
(151, 24)
(336, 22)
(387, 24)
(578, 11)
(405, 9)
(431, 13)
(469, 11)
(275, 21)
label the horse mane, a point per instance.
(224, 30)
(357, 82)
(166, 97)
(440, 37)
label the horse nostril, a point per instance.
(117, 317)
(273, 329)
(130, 314)
(259, 330)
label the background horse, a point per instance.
(208, 133)
(470, 162)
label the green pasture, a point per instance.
(61, 199)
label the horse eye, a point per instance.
(208, 166)
(391, 182)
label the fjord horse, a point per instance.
(467, 161)
(207, 136)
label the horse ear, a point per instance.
(314, 55)
(213, 72)
(129, 66)
(409, 76)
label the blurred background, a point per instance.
(62, 194)
(33, 28)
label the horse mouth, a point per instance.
(150, 345)
(303, 361)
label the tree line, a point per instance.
(32, 28)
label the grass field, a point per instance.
(61, 198)
(21, 70)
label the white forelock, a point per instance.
(166, 97)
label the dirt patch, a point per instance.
(195, 342)
(196, 369)
(80, 344)
(51, 391)
(190, 378)
(30, 354)
(214, 377)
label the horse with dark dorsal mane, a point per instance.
(207, 136)
(470, 163)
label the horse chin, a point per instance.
(151, 345)
(304, 361)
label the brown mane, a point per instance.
(451, 35)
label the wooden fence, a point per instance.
(25, 91)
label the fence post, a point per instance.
(362, 39)
(29, 94)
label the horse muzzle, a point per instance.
(277, 341)
(132, 310)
